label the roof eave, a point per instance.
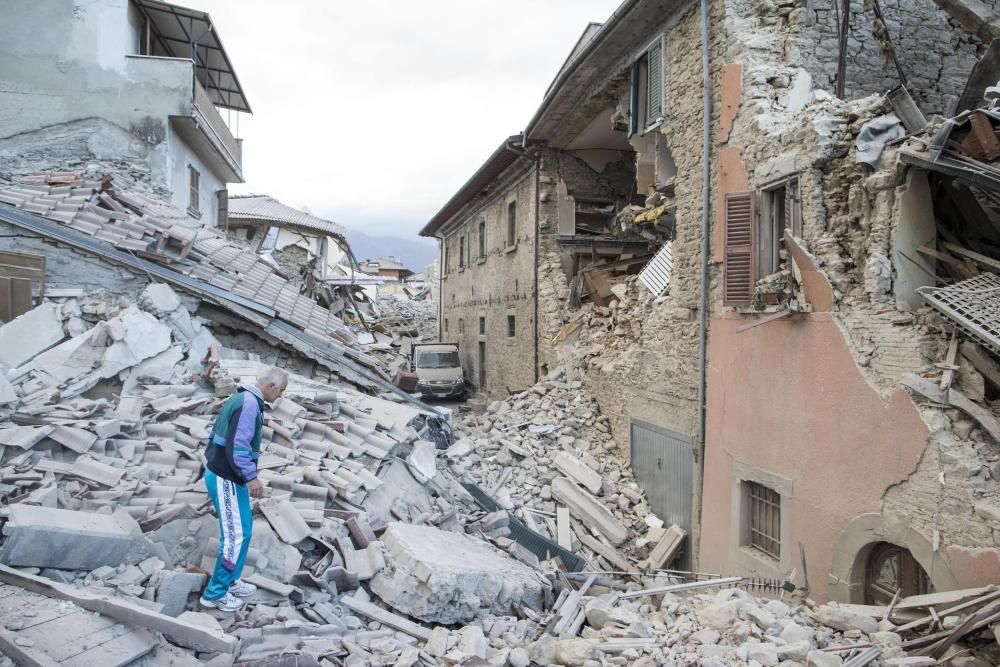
(567, 72)
(504, 156)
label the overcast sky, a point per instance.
(374, 114)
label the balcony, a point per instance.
(170, 87)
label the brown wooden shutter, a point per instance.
(741, 222)
(222, 197)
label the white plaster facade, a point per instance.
(73, 69)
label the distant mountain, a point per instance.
(415, 252)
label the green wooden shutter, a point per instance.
(633, 98)
(654, 98)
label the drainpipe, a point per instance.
(703, 308)
(534, 287)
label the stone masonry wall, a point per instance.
(935, 54)
(494, 287)
(647, 367)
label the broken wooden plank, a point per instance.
(955, 399)
(982, 260)
(666, 548)
(993, 595)
(122, 610)
(386, 617)
(689, 586)
(982, 362)
(944, 598)
(950, 359)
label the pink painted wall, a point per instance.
(787, 397)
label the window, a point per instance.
(482, 325)
(447, 257)
(755, 225)
(193, 178)
(461, 326)
(461, 252)
(511, 223)
(779, 210)
(446, 325)
(511, 327)
(646, 89)
(763, 519)
(482, 239)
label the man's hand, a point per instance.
(256, 488)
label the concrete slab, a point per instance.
(30, 334)
(444, 577)
(588, 509)
(578, 471)
(63, 539)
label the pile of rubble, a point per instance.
(548, 455)
(402, 322)
(366, 549)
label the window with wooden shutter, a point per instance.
(740, 220)
(194, 195)
(222, 197)
(654, 91)
(793, 209)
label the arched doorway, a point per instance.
(889, 569)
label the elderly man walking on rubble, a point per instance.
(231, 479)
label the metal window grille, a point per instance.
(764, 508)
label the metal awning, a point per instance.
(179, 32)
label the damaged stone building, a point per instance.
(762, 341)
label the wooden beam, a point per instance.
(982, 260)
(955, 399)
(949, 362)
(386, 617)
(982, 362)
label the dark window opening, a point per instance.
(482, 325)
(512, 223)
(482, 239)
(511, 326)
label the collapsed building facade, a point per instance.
(762, 366)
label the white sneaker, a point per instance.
(242, 589)
(228, 602)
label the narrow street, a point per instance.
(676, 341)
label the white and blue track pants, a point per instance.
(232, 504)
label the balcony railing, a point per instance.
(203, 103)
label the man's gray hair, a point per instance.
(274, 376)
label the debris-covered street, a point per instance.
(699, 367)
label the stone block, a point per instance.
(32, 333)
(64, 539)
(468, 576)
(174, 589)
